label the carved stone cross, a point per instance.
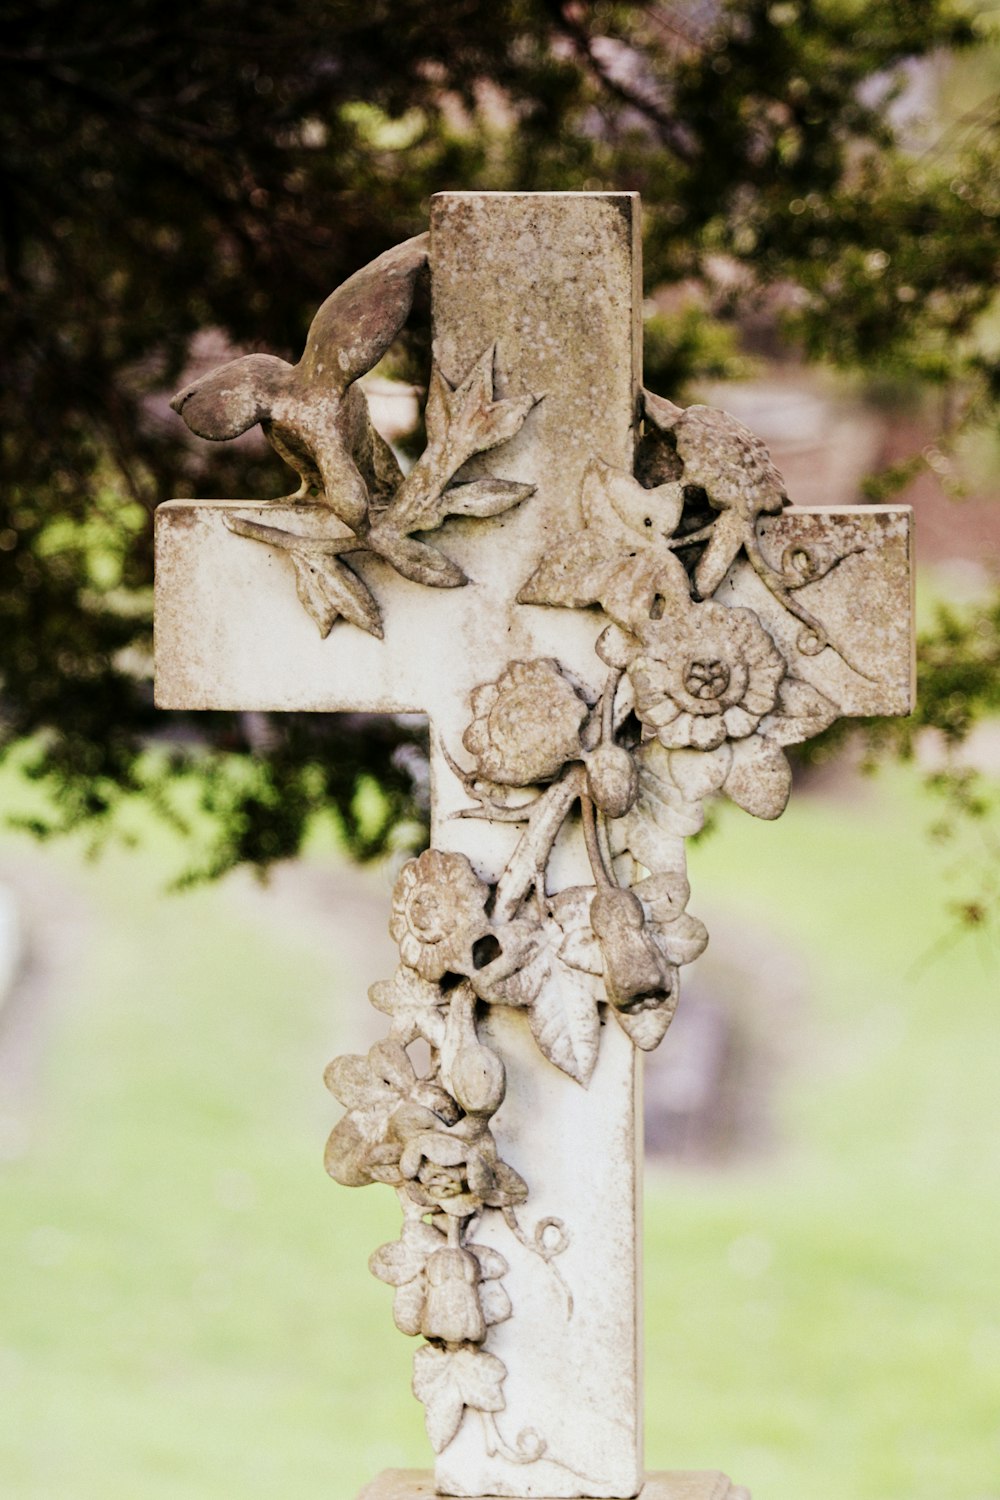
(617, 618)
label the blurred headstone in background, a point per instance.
(709, 1096)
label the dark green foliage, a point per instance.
(171, 167)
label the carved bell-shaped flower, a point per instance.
(452, 1310)
(636, 974)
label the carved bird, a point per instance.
(312, 413)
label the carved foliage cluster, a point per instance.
(697, 699)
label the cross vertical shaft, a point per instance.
(555, 280)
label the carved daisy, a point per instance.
(705, 675)
(438, 912)
(527, 724)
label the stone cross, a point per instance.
(608, 612)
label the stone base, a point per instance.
(662, 1484)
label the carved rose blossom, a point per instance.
(444, 1170)
(705, 675)
(527, 724)
(438, 912)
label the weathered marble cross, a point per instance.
(532, 1372)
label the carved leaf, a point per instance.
(580, 947)
(565, 1022)
(438, 397)
(573, 573)
(760, 780)
(480, 1377)
(405, 1258)
(415, 560)
(448, 1380)
(562, 1007)
(390, 1065)
(509, 1187)
(659, 411)
(494, 1302)
(581, 950)
(646, 582)
(475, 422)
(801, 712)
(349, 1080)
(621, 559)
(408, 1307)
(484, 497)
(646, 1028)
(416, 1005)
(328, 589)
(700, 773)
(492, 1264)
(655, 828)
(435, 1385)
(682, 940)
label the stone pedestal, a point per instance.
(661, 1484)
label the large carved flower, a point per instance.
(527, 724)
(705, 675)
(438, 912)
(728, 462)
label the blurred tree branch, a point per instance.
(172, 172)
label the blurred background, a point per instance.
(184, 1306)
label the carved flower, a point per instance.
(442, 1292)
(527, 724)
(386, 1104)
(728, 462)
(636, 974)
(458, 1172)
(438, 912)
(704, 675)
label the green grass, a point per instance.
(184, 1305)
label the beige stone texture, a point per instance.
(662, 1484)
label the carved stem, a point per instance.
(595, 854)
(291, 541)
(608, 706)
(531, 855)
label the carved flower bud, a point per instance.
(478, 1080)
(636, 975)
(452, 1310)
(614, 910)
(616, 647)
(612, 779)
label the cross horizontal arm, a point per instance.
(231, 634)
